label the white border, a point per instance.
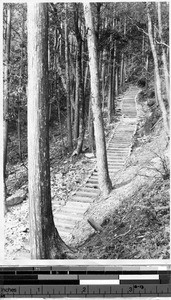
(146, 262)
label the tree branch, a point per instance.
(141, 29)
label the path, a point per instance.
(118, 149)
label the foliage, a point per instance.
(139, 228)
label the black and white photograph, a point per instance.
(86, 171)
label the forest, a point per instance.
(86, 169)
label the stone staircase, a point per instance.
(118, 149)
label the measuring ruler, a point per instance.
(59, 281)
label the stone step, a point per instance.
(76, 205)
(92, 181)
(73, 212)
(115, 166)
(88, 191)
(95, 177)
(77, 209)
(117, 150)
(114, 163)
(115, 157)
(122, 138)
(91, 184)
(117, 145)
(67, 225)
(120, 134)
(79, 198)
(69, 217)
(86, 194)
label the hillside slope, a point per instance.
(136, 216)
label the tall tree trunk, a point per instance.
(69, 126)
(116, 81)
(86, 77)
(44, 238)
(110, 91)
(76, 116)
(80, 138)
(103, 77)
(164, 59)
(91, 140)
(158, 81)
(6, 98)
(20, 96)
(103, 174)
(123, 61)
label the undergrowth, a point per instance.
(138, 229)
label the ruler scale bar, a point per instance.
(83, 281)
(97, 290)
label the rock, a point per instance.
(17, 198)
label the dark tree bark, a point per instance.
(111, 81)
(80, 105)
(6, 98)
(164, 58)
(76, 114)
(158, 80)
(69, 125)
(20, 95)
(103, 174)
(44, 238)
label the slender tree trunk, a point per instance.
(44, 238)
(19, 130)
(69, 127)
(146, 69)
(164, 59)
(76, 116)
(91, 139)
(158, 81)
(114, 86)
(103, 174)
(86, 77)
(110, 91)
(59, 114)
(20, 97)
(123, 61)
(121, 71)
(80, 138)
(116, 81)
(6, 98)
(143, 49)
(103, 77)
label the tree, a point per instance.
(166, 73)
(80, 101)
(6, 96)
(103, 174)
(69, 127)
(158, 80)
(21, 89)
(44, 238)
